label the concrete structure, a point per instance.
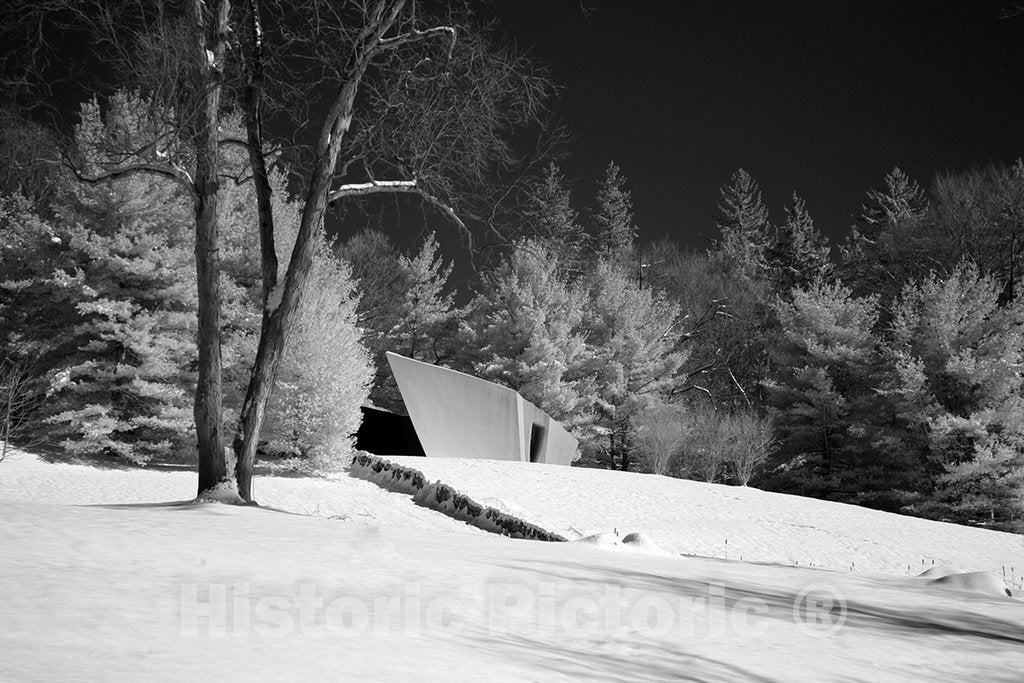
(460, 416)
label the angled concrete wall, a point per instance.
(460, 416)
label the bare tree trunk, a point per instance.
(254, 138)
(625, 443)
(278, 321)
(265, 367)
(213, 468)
(283, 300)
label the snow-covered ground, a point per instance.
(102, 576)
(728, 522)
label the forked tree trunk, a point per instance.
(283, 300)
(278, 321)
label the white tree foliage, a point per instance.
(527, 327)
(325, 374)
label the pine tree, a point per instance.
(427, 313)
(615, 230)
(554, 223)
(956, 356)
(901, 201)
(823, 393)
(743, 223)
(102, 297)
(884, 246)
(800, 253)
(34, 314)
(526, 327)
(405, 307)
(126, 388)
(637, 340)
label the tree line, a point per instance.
(142, 311)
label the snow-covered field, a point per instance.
(726, 522)
(103, 576)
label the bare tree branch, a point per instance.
(179, 176)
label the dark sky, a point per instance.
(819, 97)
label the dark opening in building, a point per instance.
(536, 441)
(385, 433)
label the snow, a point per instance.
(103, 575)
(982, 583)
(726, 522)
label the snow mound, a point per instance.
(936, 572)
(643, 543)
(981, 583)
(224, 492)
(634, 542)
(605, 538)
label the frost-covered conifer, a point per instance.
(800, 253)
(615, 230)
(823, 392)
(406, 307)
(743, 223)
(956, 356)
(526, 334)
(553, 222)
(636, 341)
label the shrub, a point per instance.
(325, 375)
(750, 440)
(660, 434)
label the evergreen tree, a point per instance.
(800, 253)
(102, 297)
(956, 356)
(554, 222)
(885, 246)
(822, 394)
(900, 201)
(405, 307)
(743, 223)
(615, 230)
(34, 313)
(427, 315)
(637, 341)
(125, 389)
(526, 329)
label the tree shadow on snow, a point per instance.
(189, 505)
(950, 615)
(638, 660)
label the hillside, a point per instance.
(103, 575)
(729, 522)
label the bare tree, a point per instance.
(413, 106)
(751, 440)
(16, 404)
(394, 102)
(704, 451)
(660, 434)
